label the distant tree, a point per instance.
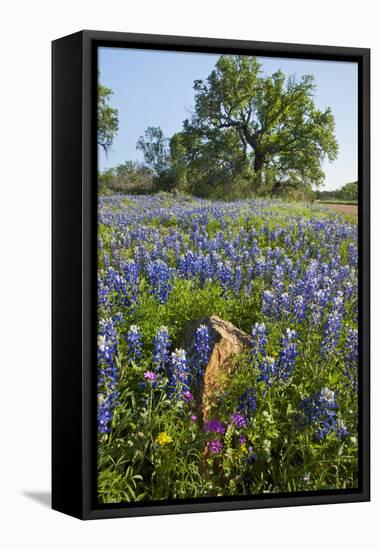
(128, 177)
(275, 129)
(203, 167)
(349, 191)
(155, 149)
(130, 167)
(107, 118)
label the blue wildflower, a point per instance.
(161, 348)
(258, 339)
(287, 354)
(320, 411)
(202, 350)
(178, 376)
(269, 305)
(247, 402)
(351, 358)
(134, 344)
(160, 277)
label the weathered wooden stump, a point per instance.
(226, 342)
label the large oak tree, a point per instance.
(267, 126)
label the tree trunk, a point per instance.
(258, 162)
(258, 166)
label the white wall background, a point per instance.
(27, 29)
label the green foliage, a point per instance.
(107, 118)
(129, 177)
(155, 450)
(346, 193)
(154, 147)
(249, 133)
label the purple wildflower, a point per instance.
(239, 420)
(215, 426)
(188, 395)
(150, 376)
(215, 446)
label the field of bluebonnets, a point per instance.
(286, 274)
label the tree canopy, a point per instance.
(154, 147)
(248, 133)
(107, 118)
(245, 125)
(348, 192)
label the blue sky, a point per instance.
(155, 88)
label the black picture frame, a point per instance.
(74, 203)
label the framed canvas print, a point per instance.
(210, 274)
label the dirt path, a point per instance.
(351, 209)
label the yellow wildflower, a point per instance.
(243, 449)
(163, 439)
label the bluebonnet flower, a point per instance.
(251, 456)
(285, 304)
(107, 340)
(134, 344)
(269, 305)
(161, 348)
(116, 285)
(258, 339)
(353, 254)
(102, 291)
(320, 411)
(260, 266)
(104, 414)
(106, 354)
(331, 332)
(131, 282)
(106, 404)
(281, 369)
(267, 368)
(225, 275)
(202, 350)
(351, 357)
(237, 279)
(247, 402)
(178, 382)
(278, 279)
(299, 308)
(342, 432)
(160, 277)
(288, 240)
